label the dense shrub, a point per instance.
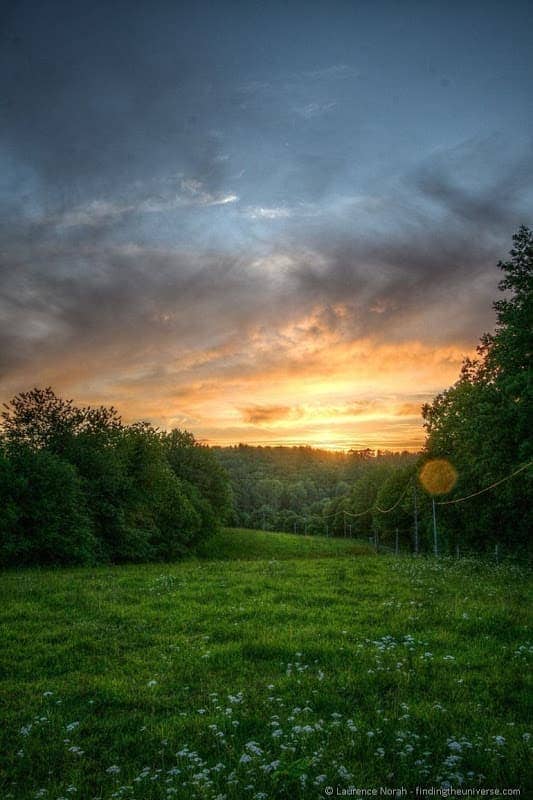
(197, 464)
(45, 519)
(78, 486)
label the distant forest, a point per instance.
(77, 485)
(305, 490)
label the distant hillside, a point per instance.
(288, 488)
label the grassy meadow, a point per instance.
(276, 667)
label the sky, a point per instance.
(264, 222)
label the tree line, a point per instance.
(303, 489)
(483, 424)
(77, 485)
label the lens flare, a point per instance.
(438, 476)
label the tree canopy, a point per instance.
(77, 485)
(483, 422)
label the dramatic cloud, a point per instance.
(256, 248)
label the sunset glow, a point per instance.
(257, 244)
(314, 389)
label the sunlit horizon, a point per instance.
(326, 393)
(255, 248)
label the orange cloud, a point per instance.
(307, 382)
(258, 414)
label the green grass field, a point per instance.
(256, 545)
(280, 667)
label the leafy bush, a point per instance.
(46, 519)
(77, 485)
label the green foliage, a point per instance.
(77, 485)
(180, 516)
(42, 420)
(304, 490)
(483, 422)
(45, 519)
(195, 463)
(395, 499)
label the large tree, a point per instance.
(483, 422)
